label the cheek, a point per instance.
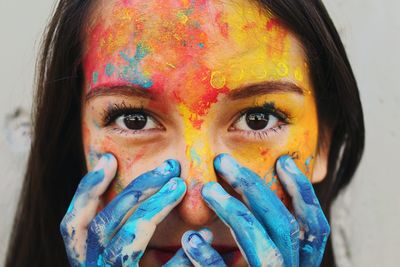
(261, 158)
(133, 160)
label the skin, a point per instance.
(195, 66)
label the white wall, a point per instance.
(370, 209)
(367, 218)
(21, 24)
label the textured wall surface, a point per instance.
(367, 214)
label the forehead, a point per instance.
(226, 42)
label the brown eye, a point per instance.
(135, 121)
(257, 120)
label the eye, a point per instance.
(259, 122)
(256, 121)
(129, 119)
(136, 122)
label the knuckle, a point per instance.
(63, 226)
(326, 229)
(293, 225)
(324, 226)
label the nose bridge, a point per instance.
(196, 169)
(197, 165)
(198, 162)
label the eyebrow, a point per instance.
(120, 90)
(267, 87)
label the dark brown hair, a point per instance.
(56, 163)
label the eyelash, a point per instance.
(268, 108)
(112, 113)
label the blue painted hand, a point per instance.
(265, 231)
(119, 234)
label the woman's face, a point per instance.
(189, 80)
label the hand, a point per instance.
(268, 235)
(119, 234)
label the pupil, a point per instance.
(135, 122)
(256, 121)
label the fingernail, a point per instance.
(172, 184)
(206, 234)
(288, 164)
(214, 190)
(195, 240)
(168, 166)
(225, 162)
(105, 160)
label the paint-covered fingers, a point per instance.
(106, 223)
(314, 227)
(180, 259)
(128, 245)
(200, 252)
(83, 208)
(280, 224)
(253, 240)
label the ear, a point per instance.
(320, 164)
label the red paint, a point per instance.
(273, 23)
(223, 26)
(264, 152)
(250, 25)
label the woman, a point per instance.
(251, 99)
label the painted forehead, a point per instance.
(218, 45)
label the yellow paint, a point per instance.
(198, 148)
(218, 79)
(250, 47)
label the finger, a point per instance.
(180, 259)
(128, 245)
(200, 252)
(313, 223)
(253, 241)
(280, 224)
(83, 208)
(107, 221)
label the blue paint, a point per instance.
(95, 77)
(200, 252)
(267, 207)
(105, 223)
(307, 210)
(136, 226)
(195, 156)
(132, 72)
(109, 69)
(201, 45)
(180, 259)
(102, 247)
(79, 201)
(308, 163)
(249, 233)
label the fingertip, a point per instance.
(108, 163)
(172, 167)
(287, 164)
(192, 239)
(207, 188)
(224, 161)
(206, 234)
(177, 185)
(214, 191)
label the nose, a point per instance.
(196, 169)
